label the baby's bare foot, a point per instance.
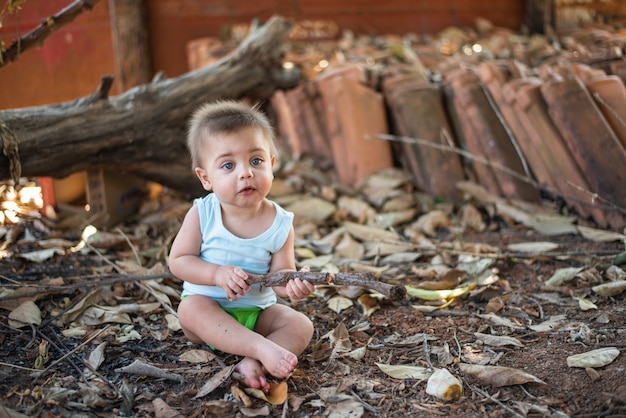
(277, 361)
(251, 371)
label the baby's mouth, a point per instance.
(247, 190)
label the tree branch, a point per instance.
(367, 280)
(47, 27)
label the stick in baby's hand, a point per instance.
(368, 280)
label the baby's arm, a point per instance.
(285, 260)
(185, 263)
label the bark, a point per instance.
(367, 280)
(141, 131)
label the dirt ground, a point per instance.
(70, 366)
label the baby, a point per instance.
(232, 233)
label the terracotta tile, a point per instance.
(589, 137)
(487, 137)
(417, 111)
(546, 150)
(354, 111)
(609, 93)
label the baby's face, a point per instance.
(238, 166)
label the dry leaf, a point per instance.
(563, 275)
(585, 304)
(611, 288)
(277, 395)
(215, 381)
(96, 357)
(26, 314)
(313, 209)
(594, 358)
(339, 303)
(196, 356)
(444, 385)
(370, 233)
(498, 340)
(549, 325)
(599, 235)
(437, 294)
(432, 221)
(369, 304)
(405, 372)
(533, 247)
(163, 410)
(348, 248)
(41, 255)
(499, 376)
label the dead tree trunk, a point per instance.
(141, 131)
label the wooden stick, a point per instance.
(368, 280)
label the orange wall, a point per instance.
(68, 65)
(71, 62)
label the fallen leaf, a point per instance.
(96, 357)
(405, 372)
(277, 395)
(196, 356)
(426, 294)
(498, 340)
(163, 410)
(370, 233)
(585, 304)
(314, 209)
(41, 255)
(26, 314)
(549, 325)
(339, 303)
(599, 235)
(215, 381)
(349, 249)
(533, 247)
(369, 304)
(430, 222)
(611, 288)
(499, 376)
(563, 275)
(594, 358)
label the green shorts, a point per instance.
(245, 316)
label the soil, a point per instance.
(327, 382)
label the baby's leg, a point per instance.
(285, 326)
(203, 320)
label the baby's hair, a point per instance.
(225, 116)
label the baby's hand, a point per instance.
(233, 280)
(299, 289)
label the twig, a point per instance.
(427, 353)
(368, 280)
(491, 398)
(500, 167)
(47, 27)
(97, 282)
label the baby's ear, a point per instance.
(273, 160)
(204, 178)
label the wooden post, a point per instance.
(130, 43)
(539, 15)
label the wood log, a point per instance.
(367, 280)
(141, 131)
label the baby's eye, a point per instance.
(256, 161)
(228, 166)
